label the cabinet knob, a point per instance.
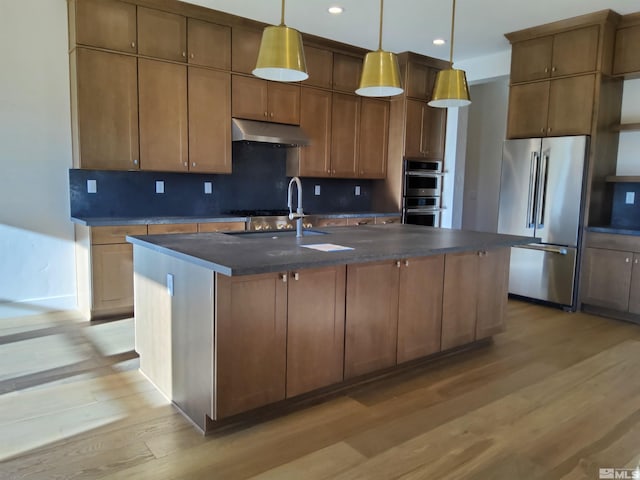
(546, 69)
(271, 115)
(133, 44)
(406, 263)
(184, 54)
(266, 114)
(627, 260)
(135, 161)
(635, 261)
(283, 277)
(328, 170)
(296, 276)
(549, 129)
(193, 164)
(334, 171)
(542, 130)
(553, 69)
(398, 264)
(192, 56)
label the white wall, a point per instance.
(485, 135)
(629, 145)
(37, 266)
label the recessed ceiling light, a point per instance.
(439, 41)
(336, 10)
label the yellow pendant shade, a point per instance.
(451, 89)
(380, 75)
(281, 56)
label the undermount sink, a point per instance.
(275, 233)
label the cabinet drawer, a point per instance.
(626, 243)
(221, 227)
(117, 234)
(158, 229)
(387, 220)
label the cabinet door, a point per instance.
(571, 105)
(626, 58)
(112, 277)
(209, 44)
(459, 299)
(245, 45)
(106, 24)
(283, 103)
(162, 34)
(493, 291)
(373, 138)
(575, 51)
(528, 110)
(163, 115)
(634, 289)
(209, 121)
(250, 342)
(315, 120)
(249, 98)
(420, 80)
(319, 67)
(345, 119)
(107, 110)
(606, 278)
(531, 59)
(420, 307)
(414, 128)
(434, 125)
(346, 72)
(315, 329)
(372, 317)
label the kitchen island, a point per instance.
(231, 324)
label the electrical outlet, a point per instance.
(630, 198)
(159, 186)
(208, 189)
(170, 284)
(316, 190)
(92, 186)
(357, 190)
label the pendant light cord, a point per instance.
(282, 17)
(380, 35)
(453, 22)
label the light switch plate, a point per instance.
(630, 198)
(208, 188)
(92, 186)
(170, 284)
(316, 190)
(159, 186)
(357, 190)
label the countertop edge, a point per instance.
(614, 230)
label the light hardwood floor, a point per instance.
(556, 396)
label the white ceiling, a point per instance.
(413, 24)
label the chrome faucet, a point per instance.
(299, 213)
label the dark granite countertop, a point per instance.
(115, 221)
(614, 230)
(250, 253)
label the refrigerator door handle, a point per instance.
(531, 199)
(546, 248)
(542, 191)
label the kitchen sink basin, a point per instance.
(275, 233)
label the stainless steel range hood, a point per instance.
(267, 132)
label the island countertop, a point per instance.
(248, 253)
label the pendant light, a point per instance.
(380, 73)
(281, 56)
(451, 89)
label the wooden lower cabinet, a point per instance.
(112, 276)
(221, 227)
(250, 342)
(493, 287)
(607, 279)
(164, 228)
(315, 329)
(372, 317)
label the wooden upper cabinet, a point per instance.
(373, 138)
(345, 121)
(209, 45)
(315, 121)
(162, 34)
(319, 67)
(209, 120)
(346, 72)
(104, 23)
(575, 51)
(626, 58)
(249, 98)
(106, 112)
(493, 291)
(283, 102)
(424, 131)
(531, 59)
(571, 105)
(245, 45)
(419, 81)
(528, 110)
(163, 115)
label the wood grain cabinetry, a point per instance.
(319, 67)
(315, 120)
(387, 220)
(359, 221)
(345, 120)
(164, 228)
(162, 34)
(425, 131)
(331, 222)
(106, 24)
(245, 45)
(626, 59)
(105, 103)
(221, 227)
(315, 329)
(373, 138)
(419, 81)
(209, 45)
(257, 99)
(346, 72)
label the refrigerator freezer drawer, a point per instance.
(543, 272)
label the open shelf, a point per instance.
(624, 178)
(627, 127)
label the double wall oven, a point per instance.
(422, 192)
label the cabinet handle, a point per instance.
(296, 276)
(133, 44)
(334, 171)
(283, 277)
(406, 263)
(398, 264)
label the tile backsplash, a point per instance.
(258, 181)
(624, 214)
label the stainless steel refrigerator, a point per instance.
(541, 195)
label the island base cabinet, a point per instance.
(315, 329)
(371, 317)
(250, 342)
(493, 292)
